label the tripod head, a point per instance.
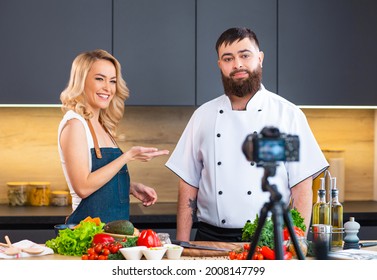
(269, 171)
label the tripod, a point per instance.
(280, 213)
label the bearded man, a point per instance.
(218, 187)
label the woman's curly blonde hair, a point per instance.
(73, 97)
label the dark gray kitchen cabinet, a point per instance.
(214, 17)
(39, 40)
(326, 53)
(155, 43)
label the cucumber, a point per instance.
(124, 227)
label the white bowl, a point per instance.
(132, 253)
(154, 253)
(173, 252)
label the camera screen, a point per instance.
(271, 150)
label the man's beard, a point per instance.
(243, 87)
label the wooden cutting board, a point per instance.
(190, 252)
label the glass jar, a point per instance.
(17, 193)
(164, 238)
(59, 198)
(302, 243)
(39, 193)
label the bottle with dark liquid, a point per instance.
(321, 209)
(336, 217)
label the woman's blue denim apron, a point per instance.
(112, 201)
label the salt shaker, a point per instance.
(351, 229)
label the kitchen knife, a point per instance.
(186, 244)
(367, 244)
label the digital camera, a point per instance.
(271, 146)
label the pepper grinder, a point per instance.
(351, 229)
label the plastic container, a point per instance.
(59, 198)
(39, 193)
(17, 193)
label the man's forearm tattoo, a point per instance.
(192, 204)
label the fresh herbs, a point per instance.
(266, 237)
(297, 220)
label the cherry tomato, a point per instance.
(98, 248)
(91, 251)
(113, 250)
(84, 257)
(232, 255)
(246, 246)
(239, 256)
(105, 252)
(102, 257)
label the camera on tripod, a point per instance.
(271, 146)
(267, 148)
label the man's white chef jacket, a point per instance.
(209, 157)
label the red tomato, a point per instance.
(148, 238)
(84, 257)
(106, 252)
(98, 248)
(232, 255)
(113, 248)
(288, 255)
(246, 246)
(102, 238)
(102, 257)
(91, 251)
(298, 231)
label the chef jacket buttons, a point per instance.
(248, 221)
(249, 192)
(219, 163)
(221, 111)
(220, 192)
(218, 135)
(223, 221)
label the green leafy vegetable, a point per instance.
(130, 242)
(266, 237)
(75, 242)
(297, 220)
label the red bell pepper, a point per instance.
(267, 253)
(148, 238)
(102, 238)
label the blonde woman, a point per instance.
(94, 166)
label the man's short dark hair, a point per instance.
(236, 34)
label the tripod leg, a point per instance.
(277, 214)
(261, 222)
(289, 224)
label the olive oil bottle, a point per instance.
(321, 209)
(336, 217)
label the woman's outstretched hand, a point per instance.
(144, 153)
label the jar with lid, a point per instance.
(39, 193)
(59, 198)
(17, 193)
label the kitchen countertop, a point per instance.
(160, 215)
(199, 256)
